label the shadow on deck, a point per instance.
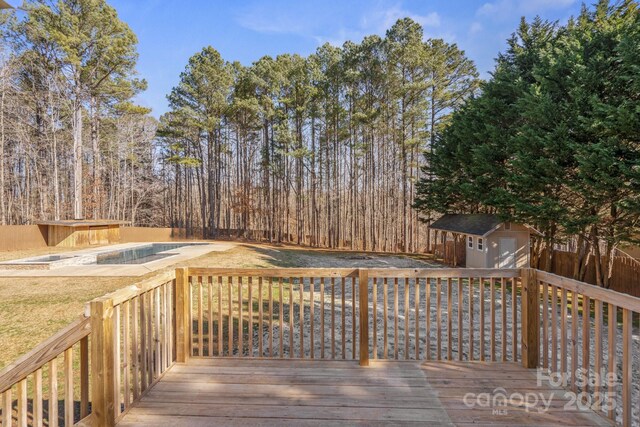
(226, 391)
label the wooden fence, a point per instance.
(22, 237)
(129, 339)
(625, 274)
(31, 386)
(452, 252)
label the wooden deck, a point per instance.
(170, 351)
(225, 391)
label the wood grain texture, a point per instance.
(273, 392)
(452, 381)
(531, 320)
(363, 295)
(239, 392)
(44, 352)
(102, 362)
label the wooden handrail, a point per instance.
(353, 272)
(575, 324)
(235, 287)
(619, 299)
(274, 272)
(125, 294)
(132, 344)
(126, 337)
(443, 273)
(44, 352)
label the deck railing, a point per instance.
(133, 335)
(439, 314)
(128, 339)
(588, 342)
(105, 361)
(44, 385)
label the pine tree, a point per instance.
(92, 46)
(200, 100)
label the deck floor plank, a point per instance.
(232, 391)
(459, 384)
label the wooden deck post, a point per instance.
(103, 392)
(183, 315)
(363, 302)
(530, 346)
(84, 377)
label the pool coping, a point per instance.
(117, 270)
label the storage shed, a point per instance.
(489, 241)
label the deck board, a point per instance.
(258, 392)
(452, 381)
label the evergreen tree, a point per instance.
(92, 46)
(552, 140)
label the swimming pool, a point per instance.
(140, 255)
(131, 255)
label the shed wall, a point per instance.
(490, 256)
(522, 247)
(476, 258)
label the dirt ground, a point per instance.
(32, 309)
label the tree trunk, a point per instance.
(96, 164)
(211, 143)
(595, 244)
(77, 159)
(3, 206)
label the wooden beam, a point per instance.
(530, 319)
(183, 315)
(84, 377)
(102, 362)
(363, 300)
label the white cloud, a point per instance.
(502, 9)
(382, 17)
(533, 6)
(475, 28)
(265, 20)
(338, 37)
(328, 23)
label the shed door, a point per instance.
(507, 248)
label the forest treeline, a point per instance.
(73, 143)
(553, 140)
(323, 150)
(356, 146)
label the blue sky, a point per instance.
(170, 31)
